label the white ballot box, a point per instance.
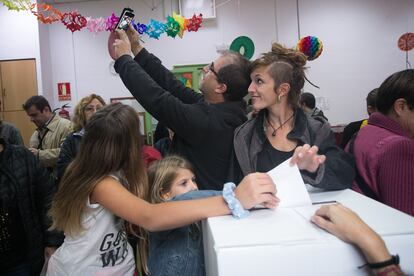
(285, 242)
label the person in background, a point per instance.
(282, 130)
(84, 110)
(354, 127)
(308, 104)
(106, 184)
(179, 251)
(384, 148)
(26, 190)
(203, 123)
(11, 134)
(50, 133)
(348, 226)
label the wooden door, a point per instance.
(18, 82)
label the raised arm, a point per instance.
(254, 189)
(161, 75)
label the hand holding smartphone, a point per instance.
(125, 19)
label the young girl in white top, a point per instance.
(106, 184)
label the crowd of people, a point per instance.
(83, 191)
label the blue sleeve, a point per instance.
(197, 195)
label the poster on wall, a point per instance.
(190, 7)
(64, 91)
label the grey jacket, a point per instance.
(11, 134)
(336, 173)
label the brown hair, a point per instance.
(162, 173)
(284, 66)
(111, 144)
(79, 119)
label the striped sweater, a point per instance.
(384, 156)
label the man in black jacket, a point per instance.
(26, 191)
(203, 124)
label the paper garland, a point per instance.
(74, 21)
(17, 5)
(46, 13)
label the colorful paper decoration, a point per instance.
(194, 23)
(172, 27)
(17, 5)
(96, 25)
(155, 29)
(111, 22)
(181, 21)
(73, 21)
(243, 45)
(311, 46)
(406, 42)
(46, 13)
(176, 24)
(140, 28)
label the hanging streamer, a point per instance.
(74, 21)
(46, 13)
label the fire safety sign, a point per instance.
(64, 91)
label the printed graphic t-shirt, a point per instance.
(102, 249)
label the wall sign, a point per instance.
(64, 91)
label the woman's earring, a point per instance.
(280, 97)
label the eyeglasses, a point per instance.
(92, 108)
(211, 68)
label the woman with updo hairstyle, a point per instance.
(84, 110)
(281, 130)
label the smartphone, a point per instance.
(125, 19)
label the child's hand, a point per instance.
(257, 188)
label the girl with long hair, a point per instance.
(106, 184)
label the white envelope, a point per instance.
(291, 189)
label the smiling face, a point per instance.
(183, 183)
(262, 89)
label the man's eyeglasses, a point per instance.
(211, 68)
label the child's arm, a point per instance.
(254, 189)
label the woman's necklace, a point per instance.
(282, 124)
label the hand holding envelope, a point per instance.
(291, 189)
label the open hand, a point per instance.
(134, 38)
(257, 188)
(307, 158)
(122, 46)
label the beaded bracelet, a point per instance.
(234, 204)
(395, 260)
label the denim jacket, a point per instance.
(179, 251)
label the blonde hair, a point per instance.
(162, 173)
(284, 66)
(79, 119)
(112, 143)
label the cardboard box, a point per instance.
(285, 242)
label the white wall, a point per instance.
(359, 36)
(20, 39)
